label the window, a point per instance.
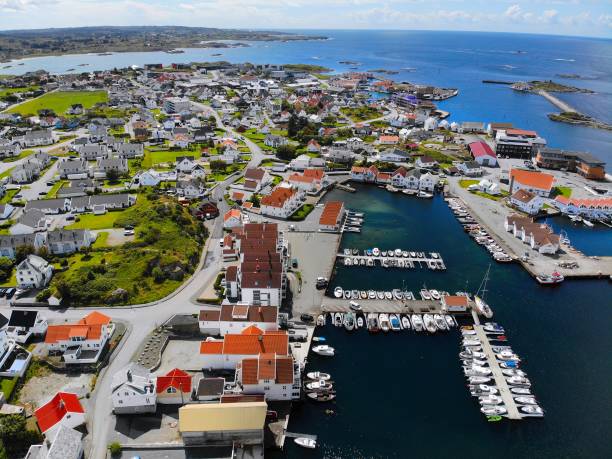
(171, 390)
(120, 402)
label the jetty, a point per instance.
(385, 306)
(563, 106)
(434, 261)
(500, 380)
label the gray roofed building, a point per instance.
(68, 241)
(111, 164)
(130, 150)
(93, 151)
(31, 221)
(9, 244)
(73, 167)
(49, 206)
(66, 444)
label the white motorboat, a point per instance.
(440, 322)
(478, 362)
(518, 381)
(371, 294)
(347, 262)
(449, 321)
(321, 320)
(319, 385)
(417, 322)
(338, 319)
(383, 320)
(520, 390)
(423, 194)
(471, 343)
(413, 254)
(482, 390)
(359, 322)
(513, 372)
(388, 296)
(493, 328)
(531, 410)
(479, 380)
(324, 349)
(376, 251)
(354, 294)
(404, 254)
(398, 252)
(508, 355)
(369, 262)
(434, 294)
(476, 371)
(338, 292)
(490, 400)
(430, 325)
(347, 294)
(493, 410)
(425, 294)
(321, 396)
(318, 376)
(525, 400)
(380, 295)
(383, 253)
(468, 332)
(305, 442)
(405, 323)
(394, 322)
(398, 294)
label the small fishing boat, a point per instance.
(305, 442)
(324, 350)
(417, 322)
(531, 410)
(413, 254)
(319, 385)
(363, 294)
(440, 322)
(388, 296)
(494, 418)
(349, 321)
(376, 251)
(398, 252)
(338, 292)
(372, 323)
(338, 319)
(525, 400)
(369, 262)
(520, 390)
(380, 295)
(383, 253)
(318, 376)
(493, 410)
(434, 294)
(371, 294)
(479, 379)
(321, 396)
(395, 322)
(425, 294)
(404, 254)
(383, 320)
(554, 279)
(347, 294)
(449, 321)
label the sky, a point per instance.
(559, 17)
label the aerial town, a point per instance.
(168, 247)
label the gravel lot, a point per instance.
(183, 354)
(39, 390)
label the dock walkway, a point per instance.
(384, 306)
(500, 380)
(392, 262)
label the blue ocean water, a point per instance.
(404, 395)
(451, 59)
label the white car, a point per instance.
(355, 306)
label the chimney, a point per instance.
(129, 375)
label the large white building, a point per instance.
(33, 272)
(176, 105)
(133, 390)
(282, 202)
(234, 318)
(277, 377)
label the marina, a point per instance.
(397, 258)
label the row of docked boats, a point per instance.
(319, 387)
(375, 322)
(353, 222)
(477, 232)
(397, 253)
(418, 193)
(395, 294)
(481, 380)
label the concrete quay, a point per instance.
(491, 215)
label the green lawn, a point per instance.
(60, 101)
(7, 91)
(361, 113)
(8, 196)
(466, 183)
(154, 156)
(23, 154)
(6, 173)
(101, 240)
(7, 385)
(95, 222)
(564, 191)
(302, 212)
(166, 248)
(52, 193)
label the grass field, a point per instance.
(8, 196)
(60, 101)
(21, 155)
(564, 191)
(96, 222)
(154, 156)
(7, 91)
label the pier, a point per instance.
(500, 380)
(394, 261)
(385, 306)
(564, 107)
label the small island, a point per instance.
(311, 68)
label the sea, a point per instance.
(448, 59)
(403, 394)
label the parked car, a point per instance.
(355, 306)
(2, 292)
(10, 292)
(128, 232)
(307, 318)
(69, 217)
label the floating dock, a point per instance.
(386, 306)
(500, 380)
(395, 262)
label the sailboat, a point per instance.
(482, 307)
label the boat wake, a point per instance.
(565, 60)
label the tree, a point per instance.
(22, 251)
(217, 165)
(286, 152)
(112, 175)
(15, 436)
(6, 268)
(255, 200)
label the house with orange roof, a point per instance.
(232, 219)
(332, 216)
(364, 174)
(234, 318)
(538, 183)
(276, 377)
(281, 202)
(600, 207)
(227, 352)
(64, 409)
(81, 342)
(388, 140)
(174, 388)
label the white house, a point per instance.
(81, 342)
(281, 202)
(425, 162)
(23, 325)
(470, 169)
(34, 272)
(535, 182)
(394, 155)
(14, 359)
(65, 443)
(428, 182)
(232, 219)
(526, 201)
(148, 178)
(133, 390)
(277, 377)
(185, 164)
(600, 207)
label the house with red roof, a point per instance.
(276, 377)
(234, 318)
(63, 409)
(281, 202)
(232, 219)
(483, 154)
(538, 183)
(81, 342)
(174, 388)
(227, 352)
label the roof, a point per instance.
(217, 417)
(523, 196)
(252, 341)
(481, 149)
(277, 197)
(55, 409)
(25, 319)
(246, 313)
(232, 213)
(521, 132)
(255, 174)
(95, 318)
(455, 300)
(594, 203)
(210, 386)
(533, 179)
(267, 366)
(210, 315)
(331, 213)
(177, 379)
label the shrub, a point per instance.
(114, 448)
